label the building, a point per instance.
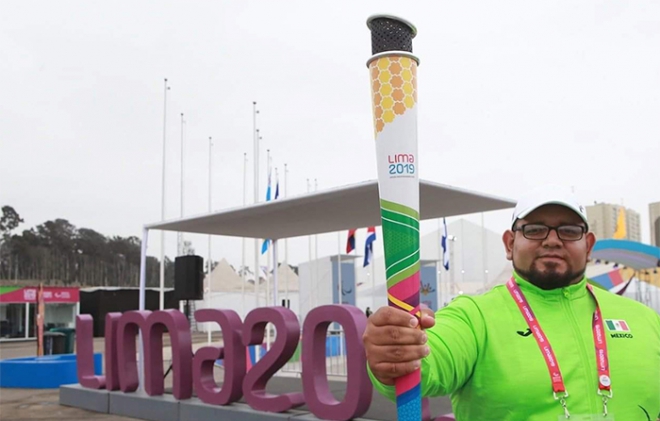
(654, 217)
(18, 310)
(603, 221)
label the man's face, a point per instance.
(550, 263)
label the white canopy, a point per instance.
(337, 209)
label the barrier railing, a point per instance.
(335, 352)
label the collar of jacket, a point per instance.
(571, 292)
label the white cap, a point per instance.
(548, 195)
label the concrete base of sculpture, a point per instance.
(166, 408)
(97, 400)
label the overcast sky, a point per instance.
(511, 95)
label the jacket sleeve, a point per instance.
(455, 340)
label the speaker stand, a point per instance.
(186, 311)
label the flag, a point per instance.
(41, 314)
(369, 246)
(617, 325)
(620, 231)
(350, 242)
(277, 184)
(625, 287)
(445, 249)
(268, 189)
(264, 246)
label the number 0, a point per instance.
(314, 376)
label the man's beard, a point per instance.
(549, 278)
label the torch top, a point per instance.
(390, 33)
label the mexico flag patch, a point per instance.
(617, 325)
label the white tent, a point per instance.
(224, 278)
(227, 291)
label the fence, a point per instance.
(335, 353)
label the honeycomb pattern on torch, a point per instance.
(393, 87)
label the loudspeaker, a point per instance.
(189, 278)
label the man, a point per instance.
(545, 346)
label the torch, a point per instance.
(393, 71)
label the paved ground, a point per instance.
(43, 404)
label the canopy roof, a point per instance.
(628, 253)
(336, 209)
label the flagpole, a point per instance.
(484, 250)
(452, 266)
(316, 241)
(268, 241)
(243, 239)
(373, 283)
(462, 254)
(286, 245)
(257, 353)
(309, 238)
(210, 265)
(255, 134)
(180, 234)
(339, 292)
(339, 286)
(441, 262)
(275, 280)
(162, 208)
(373, 273)
(274, 241)
(268, 254)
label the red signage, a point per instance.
(50, 295)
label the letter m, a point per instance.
(152, 326)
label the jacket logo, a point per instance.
(621, 335)
(524, 333)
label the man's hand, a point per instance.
(394, 344)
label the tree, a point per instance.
(91, 243)
(58, 234)
(9, 220)
(57, 251)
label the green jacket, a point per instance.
(482, 356)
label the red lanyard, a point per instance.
(604, 382)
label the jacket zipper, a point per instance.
(588, 371)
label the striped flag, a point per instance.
(445, 249)
(264, 246)
(369, 246)
(350, 242)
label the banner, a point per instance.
(429, 287)
(29, 295)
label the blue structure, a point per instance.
(348, 284)
(632, 254)
(428, 277)
(45, 372)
